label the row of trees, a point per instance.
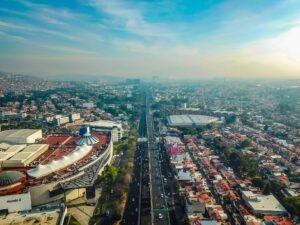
(117, 182)
(293, 204)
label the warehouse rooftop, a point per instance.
(190, 120)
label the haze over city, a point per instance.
(171, 39)
(150, 112)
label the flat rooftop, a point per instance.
(21, 154)
(104, 123)
(36, 218)
(261, 202)
(16, 133)
(190, 120)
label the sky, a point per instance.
(177, 39)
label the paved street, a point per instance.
(80, 210)
(137, 209)
(151, 199)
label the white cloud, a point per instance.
(130, 17)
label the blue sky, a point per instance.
(175, 39)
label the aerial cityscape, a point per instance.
(117, 112)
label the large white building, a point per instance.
(190, 120)
(50, 176)
(107, 125)
(15, 203)
(263, 204)
(20, 136)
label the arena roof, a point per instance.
(190, 120)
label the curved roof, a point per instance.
(88, 140)
(10, 177)
(86, 137)
(55, 165)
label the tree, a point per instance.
(226, 199)
(230, 119)
(246, 143)
(294, 204)
(266, 128)
(113, 173)
(258, 182)
(267, 189)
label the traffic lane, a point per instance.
(158, 201)
(131, 211)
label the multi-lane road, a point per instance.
(138, 206)
(151, 198)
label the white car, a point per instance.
(160, 216)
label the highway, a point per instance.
(138, 206)
(151, 198)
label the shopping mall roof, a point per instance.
(11, 151)
(55, 165)
(10, 177)
(17, 134)
(26, 156)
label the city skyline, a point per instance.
(172, 39)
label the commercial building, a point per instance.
(16, 202)
(59, 169)
(263, 204)
(190, 120)
(20, 136)
(106, 125)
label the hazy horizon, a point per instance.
(170, 39)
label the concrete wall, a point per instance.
(40, 194)
(111, 149)
(74, 194)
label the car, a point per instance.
(160, 216)
(162, 195)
